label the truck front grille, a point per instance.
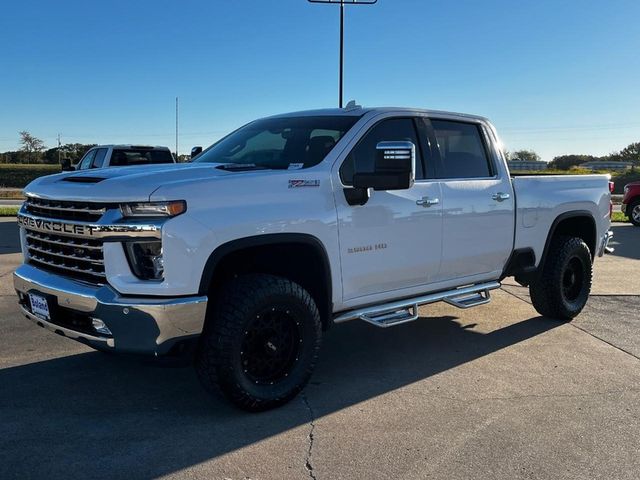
(65, 210)
(74, 257)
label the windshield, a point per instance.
(286, 143)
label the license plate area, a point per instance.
(39, 306)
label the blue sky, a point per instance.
(555, 76)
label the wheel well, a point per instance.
(300, 259)
(580, 225)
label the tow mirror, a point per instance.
(195, 151)
(394, 168)
(66, 165)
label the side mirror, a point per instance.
(395, 168)
(66, 165)
(195, 151)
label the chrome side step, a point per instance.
(471, 300)
(385, 320)
(403, 311)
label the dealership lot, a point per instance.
(491, 392)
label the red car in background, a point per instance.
(631, 202)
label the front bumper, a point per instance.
(140, 325)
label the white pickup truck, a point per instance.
(103, 156)
(293, 223)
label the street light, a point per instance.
(342, 3)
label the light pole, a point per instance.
(342, 3)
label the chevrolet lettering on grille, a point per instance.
(43, 225)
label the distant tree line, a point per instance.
(631, 154)
(34, 151)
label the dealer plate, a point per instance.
(39, 306)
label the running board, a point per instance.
(471, 300)
(403, 311)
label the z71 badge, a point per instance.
(303, 183)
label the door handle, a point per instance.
(500, 197)
(427, 202)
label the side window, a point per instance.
(462, 150)
(86, 160)
(98, 160)
(362, 158)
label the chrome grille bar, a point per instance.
(40, 260)
(68, 241)
(62, 255)
(92, 211)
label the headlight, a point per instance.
(145, 259)
(153, 209)
(626, 189)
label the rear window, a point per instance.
(139, 156)
(461, 149)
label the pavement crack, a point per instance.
(516, 296)
(310, 437)
(605, 341)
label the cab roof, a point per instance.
(358, 111)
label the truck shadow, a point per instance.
(9, 236)
(93, 415)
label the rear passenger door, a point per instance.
(477, 201)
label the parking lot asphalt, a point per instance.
(491, 392)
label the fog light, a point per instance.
(145, 259)
(100, 327)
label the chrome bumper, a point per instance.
(144, 325)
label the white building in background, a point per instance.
(606, 165)
(521, 165)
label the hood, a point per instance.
(123, 184)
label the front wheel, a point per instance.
(261, 342)
(562, 288)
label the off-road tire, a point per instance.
(221, 363)
(634, 204)
(553, 293)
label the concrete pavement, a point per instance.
(492, 392)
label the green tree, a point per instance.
(524, 156)
(565, 162)
(631, 153)
(32, 146)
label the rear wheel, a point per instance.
(261, 342)
(562, 288)
(634, 213)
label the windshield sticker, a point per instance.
(303, 183)
(295, 166)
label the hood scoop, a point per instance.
(84, 179)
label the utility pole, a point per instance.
(176, 129)
(342, 3)
(59, 148)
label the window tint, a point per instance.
(462, 150)
(86, 160)
(280, 143)
(139, 156)
(98, 160)
(362, 157)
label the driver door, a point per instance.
(393, 241)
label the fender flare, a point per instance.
(220, 252)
